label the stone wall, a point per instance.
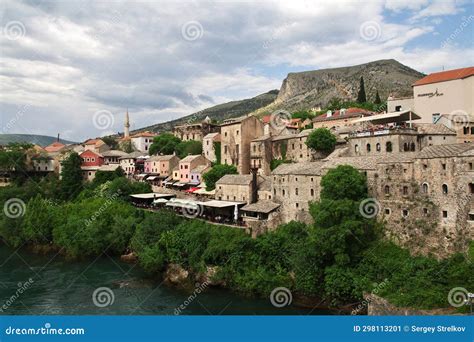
(378, 306)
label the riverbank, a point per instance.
(65, 287)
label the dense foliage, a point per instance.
(164, 143)
(189, 147)
(216, 173)
(321, 140)
(336, 259)
(361, 97)
(71, 177)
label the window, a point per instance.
(443, 165)
(225, 134)
(445, 213)
(405, 212)
(471, 217)
(283, 192)
(356, 148)
(293, 146)
(254, 148)
(412, 147)
(424, 188)
(297, 205)
(237, 132)
(296, 179)
(386, 190)
(311, 192)
(378, 148)
(425, 166)
(387, 211)
(225, 148)
(296, 191)
(398, 108)
(445, 189)
(425, 211)
(471, 188)
(405, 190)
(470, 166)
(368, 147)
(405, 147)
(388, 146)
(435, 117)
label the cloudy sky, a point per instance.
(74, 67)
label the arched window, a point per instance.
(312, 192)
(356, 148)
(405, 190)
(406, 147)
(388, 146)
(386, 190)
(368, 147)
(445, 189)
(471, 188)
(424, 188)
(412, 147)
(378, 148)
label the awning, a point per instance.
(151, 195)
(182, 203)
(160, 201)
(152, 178)
(169, 182)
(190, 190)
(221, 204)
(394, 117)
(179, 184)
(141, 175)
(203, 191)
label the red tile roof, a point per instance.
(54, 147)
(266, 119)
(350, 112)
(144, 134)
(444, 76)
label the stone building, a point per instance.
(289, 147)
(209, 146)
(386, 140)
(161, 165)
(113, 156)
(195, 130)
(238, 188)
(340, 118)
(236, 136)
(461, 123)
(427, 200)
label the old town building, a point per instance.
(339, 118)
(195, 130)
(209, 144)
(142, 141)
(190, 163)
(236, 137)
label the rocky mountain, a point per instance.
(311, 89)
(220, 112)
(42, 140)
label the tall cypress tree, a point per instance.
(377, 98)
(71, 177)
(361, 98)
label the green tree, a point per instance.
(217, 150)
(321, 140)
(111, 142)
(344, 182)
(377, 98)
(164, 143)
(361, 97)
(302, 114)
(216, 173)
(71, 177)
(104, 176)
(13, 159)
(40, 217)
(186, 148)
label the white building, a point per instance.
(142, 141)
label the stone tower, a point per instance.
(126, 126)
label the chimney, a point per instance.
(58, 138)
(253, 185)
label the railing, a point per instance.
(382, 131)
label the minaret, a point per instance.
(126, 126)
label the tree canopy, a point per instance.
(71, 177)
(321, 140)
(216, 173)
(189, 147)
(164, 143)
(344, 182)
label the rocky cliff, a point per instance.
(309, 89)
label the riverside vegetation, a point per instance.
(337, 259)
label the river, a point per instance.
(63, 287)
